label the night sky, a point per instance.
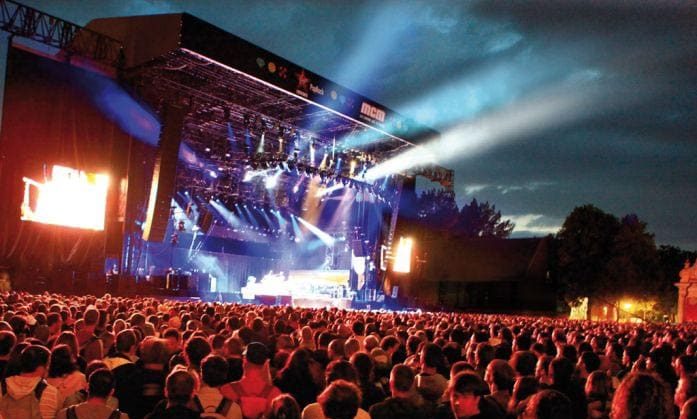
(628, 145)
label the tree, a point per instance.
(437, 208)
(585, 245)
(604, 258)
(634, 260)
(479, 219)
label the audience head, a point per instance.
(61, 362)
(101, 384)
(91, 317)
(523, 388)
(255, 355)
(483, 355)
(126, 341)
(284, 407)
(432, 356)
(179, 387)
(351, 346)
(401, 380)
(548, 404)
(340, 370)
(335, 350)
(8, 340)
(523, 362)
(340, 400)
(598, 386)
(685, 365)
(561, 370)
(588, 362)
(466, 390)
(642, 395)
(196, 349)
(499, 375)
(34, 360)
(214, 369)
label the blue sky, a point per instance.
(628, 147)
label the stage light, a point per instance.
(321, 193)
(352, 168)
(324, 237)
(213, 174)
(271, 181)
(402, 262)
(260, 149)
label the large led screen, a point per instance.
(69, 197)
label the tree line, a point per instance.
(595, 254)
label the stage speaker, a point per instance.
(164, 172)
(205, 219)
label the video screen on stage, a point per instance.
(67, 197)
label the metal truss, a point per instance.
(27, 22)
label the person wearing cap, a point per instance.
(255, 390)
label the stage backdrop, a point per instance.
(51, 117)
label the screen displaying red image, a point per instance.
(69, 197)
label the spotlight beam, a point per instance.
(553, 107)
(326, 238)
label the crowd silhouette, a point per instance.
(113, 357)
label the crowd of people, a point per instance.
(86, 357)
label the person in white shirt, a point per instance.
(34, 362)
(214, 370)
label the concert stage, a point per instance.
(227, 164)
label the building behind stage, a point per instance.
(482, 274)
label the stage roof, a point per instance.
(230, 78)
